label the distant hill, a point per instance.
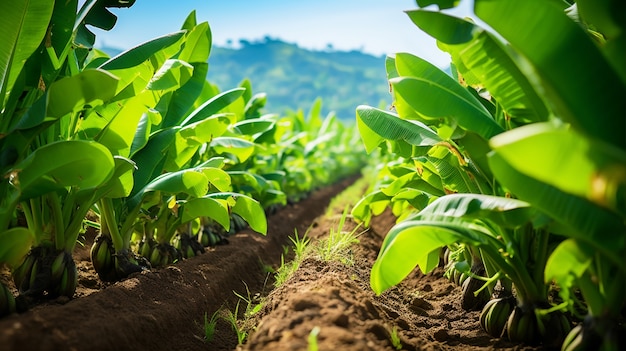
(294, 77)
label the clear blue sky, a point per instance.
(379, 27)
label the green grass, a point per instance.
(337, 245)
(210, 324)
(300, 246)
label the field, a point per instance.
(141, 206)
(165, 308)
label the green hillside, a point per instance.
(294, 77)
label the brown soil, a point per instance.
(165, 309)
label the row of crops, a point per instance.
(515, 164)
(140, 146)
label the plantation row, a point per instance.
(516, 166)
(140, 146)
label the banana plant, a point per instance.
(43, 93)
(514, 242)
(587, 199)
(522, 83)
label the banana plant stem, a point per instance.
(107, 214)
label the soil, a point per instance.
(165, 309)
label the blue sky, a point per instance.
(379, 27)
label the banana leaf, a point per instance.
(23, 25)
(435, 101)
(14, 245)
(579, 218)
(479, 54)
(585, 168)
(573, 75)
(377, 125)
(55, 166)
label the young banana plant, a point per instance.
(511, 248)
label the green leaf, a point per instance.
(443, 4)
(71, 94)
(114, 125)
(171, 75)
(480, 55)
(407, 245)
(183, 98)
(192, 182)
(252, 212)
(191, 137)
(583, 220)
(197, 44)
(138, 54)
(215, 209)
(587, 169)
(505, 212)
(430, 99)
(372, 204)
(253, 126)
(14, 245)
(23, 25)
(121, 183)
(377, 125)
(570, 257)
(241, 148)
(218, 178)
(573, 74)
(214, 105)
(78, 163)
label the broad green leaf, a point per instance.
(412, 66)
(171, 76)
(248, 208)
(71, 94)
(218, 178)
(443, 4)
(377, 125)
(480, 54)
(372, 204)
(436, 101)
(187, 181)
(574, 76)
(584, 220)
(114, 125)
(14, 245)
(253, 126)
(407, 245)
(138, 54)
(215, 209)
(191, 137)
(241, 148)
(214, 105)
(417, 198)
(215, 162)
(245, 180)
(390, 68)
(570, 257)
(23, 25)
(505, 212)
(454, 171)
(182, 99)
(121, 183)
(252, 212)
(197, 44)
(55, 166)
(586, 169)
(415, 181)
(256, 102)
(151, 159)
